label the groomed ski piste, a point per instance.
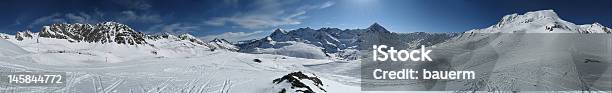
(204, 72)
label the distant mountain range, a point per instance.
(305, 42)
(112, 32)
(337, 43)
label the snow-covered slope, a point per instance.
(294, 49)
(162, 63)
(526, 61)
(543, 21)
(212, 71)
(9, 49)
(222, 44)
(536, 51)
(594, 28)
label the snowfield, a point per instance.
(210, 71)
(128, 61)
(296, 49)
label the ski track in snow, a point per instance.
(212, 72)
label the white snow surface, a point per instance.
(135, 69)
(296, 49)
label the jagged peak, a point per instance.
(596, 24)
(304, 29)
(187, 35)
(111, 23)
(104, 32)
(279, 31)
(594, 28)
(115, 26)
(166, 35)
(191, 38)
(377, 27)
(25, 31)
(24, 34)
(219, 43)
(220, 40)
(100, 23)
(375, 24)
(329, 28)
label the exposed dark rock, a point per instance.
(257, 60)
(107, 32)
(296, 78)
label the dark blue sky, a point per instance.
(247, 19)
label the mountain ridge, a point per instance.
(542, 21)
(337, 43)
(110, 32)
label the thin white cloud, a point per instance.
(255, 21)
(95, 17)
(236, 36)
(327, 4)
(268, 13)
(80, 18)
(64, 18)
(176, 28)
(51, 18)
(131, 16)
(217, 21)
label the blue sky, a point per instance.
(249, 19)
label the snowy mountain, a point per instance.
(107, 32)
(110, 42)
(535, 51)
(543, 21)
(222, 44)
(594, 28)
(190, 38)
(337, 43)
(5, 36)
(377, 28)
(111, 32)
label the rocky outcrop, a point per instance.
(299, 83)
